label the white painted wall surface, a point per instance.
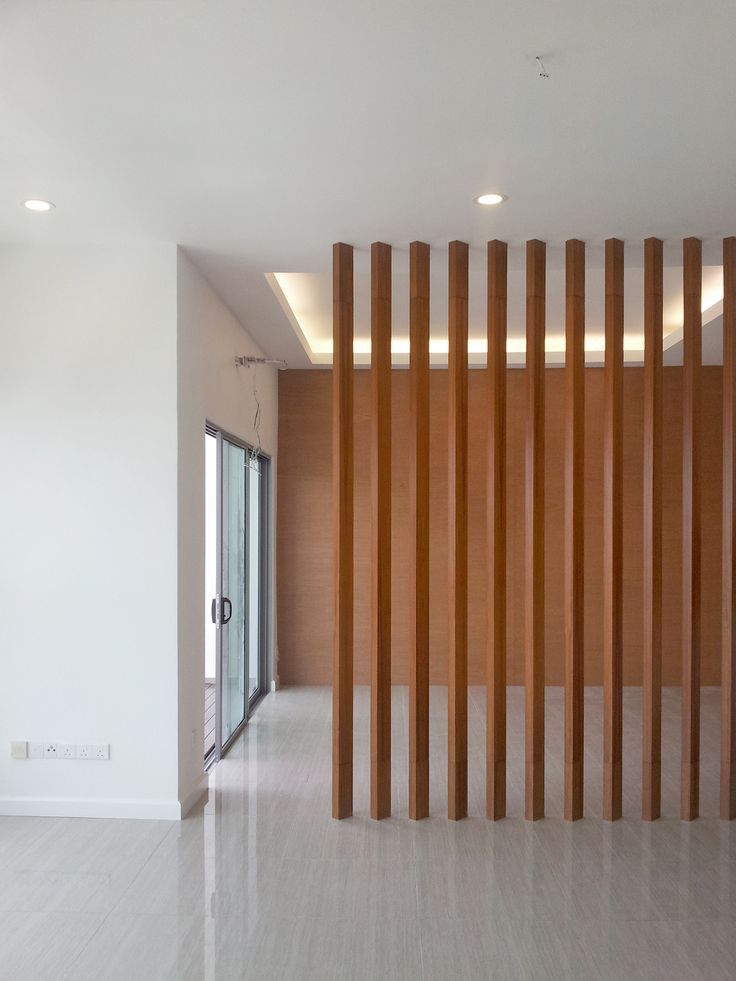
(111, 361)
(88, 526)
(211, 388)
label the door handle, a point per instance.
(213, 610)
(226, 616)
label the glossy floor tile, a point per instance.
(259, 882)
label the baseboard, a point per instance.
(150, 810)
(195, 796)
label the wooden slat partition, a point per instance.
(419, 531)
(574, 526)
(457, 716)
(496, 533)
(380, 530)
(613, 532)
(534, 546)
(342, 470)
(728, 635)
(692, 275)
(652, 537)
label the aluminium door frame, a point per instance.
(220, 435)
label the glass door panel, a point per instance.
(210, 587)
(233, 676)
(254, 577)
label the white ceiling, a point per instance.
(257, 133)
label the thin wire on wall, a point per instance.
(256, 451)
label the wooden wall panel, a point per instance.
(691, 542)
(457, 512)
(496, 534)
(380, 530)
(534, 578)
(419, 531)
(342, 532)
(574, 527)
(613, 532)
(728, 665)
(304, 525)
(652, 534)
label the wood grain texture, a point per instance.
(419, 530)
(457, 516)
(613, 532)
(728, 614)
(574, 527)
(380, 530)
(304, 540)
(692, 276)
(496, 533)
(342, 506)
(534, 522)
(652, 534)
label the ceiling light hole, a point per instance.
(38, 204)
(490, 198)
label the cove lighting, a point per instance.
(490, 198)
(36, 204)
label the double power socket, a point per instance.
(60, 751)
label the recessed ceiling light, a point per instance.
(36, 204)
(491, 198)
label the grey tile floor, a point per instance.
(260, 883)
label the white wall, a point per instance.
(111, 361)
(88, 525)
(211, 388)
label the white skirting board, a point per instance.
(86, 807)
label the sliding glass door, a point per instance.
(255, 544)
(233, 615)
(237, 609)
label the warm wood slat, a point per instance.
(534, 544)
(692, 275)
(457, 716)
(652, 537)
(613, 531)
(574, 526)
(342, 486)
(496, 533)
(419, 530)
(728, 635)
(380, 530)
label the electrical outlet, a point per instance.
(85, 752)
(50, 751)
(67, 751)
(35, 751)
(101, 751)
(19, 750)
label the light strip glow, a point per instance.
(309, 323)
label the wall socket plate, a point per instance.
(20, 750)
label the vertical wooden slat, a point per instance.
(692, 289)
(342, 486)
(380, 530)
(457, 717)
(534, 544)
(419, 530)
(574, 526)
(728, 635)
(652, 540)
(613, 531)
(496, 533)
